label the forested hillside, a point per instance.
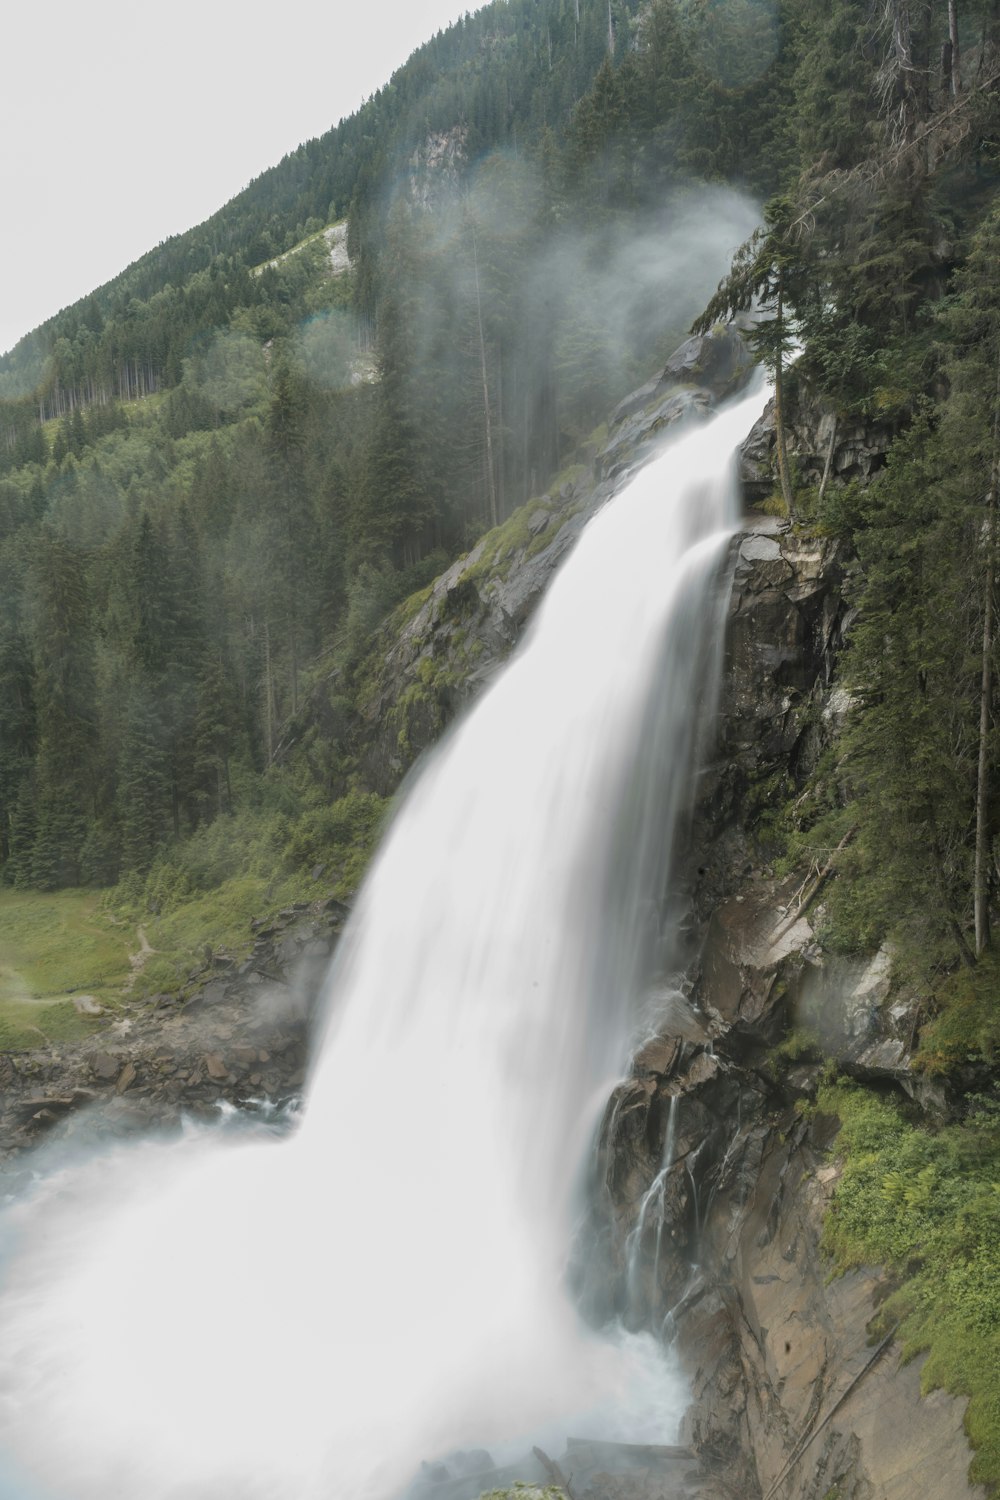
(225, 466)
(221, 469)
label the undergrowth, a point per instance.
(202, 893)
(522, 1491)
(926, 1204)
(964, 1024)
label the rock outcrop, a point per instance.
(712, 1191)
(819, 444)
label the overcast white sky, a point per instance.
(124, 122)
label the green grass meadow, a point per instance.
(54, 946)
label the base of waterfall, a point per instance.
(197, 1318)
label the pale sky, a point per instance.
(124, 122)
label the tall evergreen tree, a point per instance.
(62, 650)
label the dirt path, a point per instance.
(137, 961)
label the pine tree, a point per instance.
(143, 801)
(771, 273)
(62, 650)
(922, 756)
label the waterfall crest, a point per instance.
(312, 1317)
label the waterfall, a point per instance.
(309, 1318)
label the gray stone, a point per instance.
(757, 548)
(126, 1078)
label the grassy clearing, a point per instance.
(201, 895)
(52, 944)
(926, 1204)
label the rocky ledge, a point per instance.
(712, 1188)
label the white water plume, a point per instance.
(309, 1318)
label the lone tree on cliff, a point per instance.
(766, 274)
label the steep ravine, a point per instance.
(791, 1400)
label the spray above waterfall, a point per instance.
(299, 1318)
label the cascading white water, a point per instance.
(307, 1319)
(653, 1208)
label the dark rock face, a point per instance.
(710, 1188)
(790, 1395)
(784, 1376)
(785, 627)
(635, 431)
(852, 449)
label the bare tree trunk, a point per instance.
(294, 653)
(956, 76)
(829, 461)
(487, 414)
(502, 448)
(980, 879)
(268, 694)
(779, 424)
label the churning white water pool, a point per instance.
(240, 1317)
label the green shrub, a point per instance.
(966, 1025)
(340, 835)
(926, 1204)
